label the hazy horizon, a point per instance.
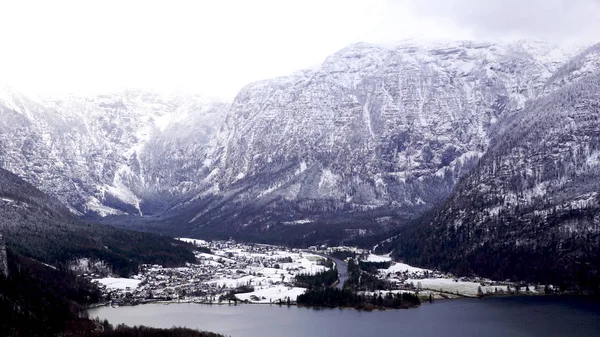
(217, 48)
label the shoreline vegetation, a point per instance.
(62, 299)
(423, 300)
(236, 272)
(363, 289)
(39, 301)
(336, 298)
(354, 292)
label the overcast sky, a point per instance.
(216, 47)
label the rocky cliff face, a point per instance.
(531, 208)
(111, 154)
(373, 128)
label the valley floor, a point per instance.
(257, 273)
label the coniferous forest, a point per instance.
(38, 301)
(41, 296)
(361, 290)
(319, 280)
(333, 297)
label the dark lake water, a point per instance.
(493, 317)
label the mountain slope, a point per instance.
(364, 143)
(40, 227)
(375, 134)
(531, 208)
(36, 300)
(110, 154)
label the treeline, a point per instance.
(123, 250)
(330, 225)
(36, 300)
(319, 280)
(362, 280)
(371, 267)
(545, 255)
(40, 227)
(355, 292)
(343, 254)
(142, 331)
(332, 297)
(327, 263)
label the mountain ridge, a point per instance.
(371, 128)
(373, 137)
(92, 153)
(534, 196)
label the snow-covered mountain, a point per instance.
(373, 137)
(489, 151)
(373, 128)
(531, 208)
(110, 154)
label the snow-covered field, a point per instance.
(463, 288)
(448, 285)
(118, 283)
(402, 267)
(430, 281)
(196, 242)
(378, 258)
(440, 285)
(272, 294)
(396, 270)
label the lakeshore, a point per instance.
(230, 272)
(490, 317)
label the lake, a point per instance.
(493, 317)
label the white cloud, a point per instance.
(552, 20)
(216, 47)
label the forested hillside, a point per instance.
(40, 301)
(40, 227)
(531, 209)
(40, 295)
